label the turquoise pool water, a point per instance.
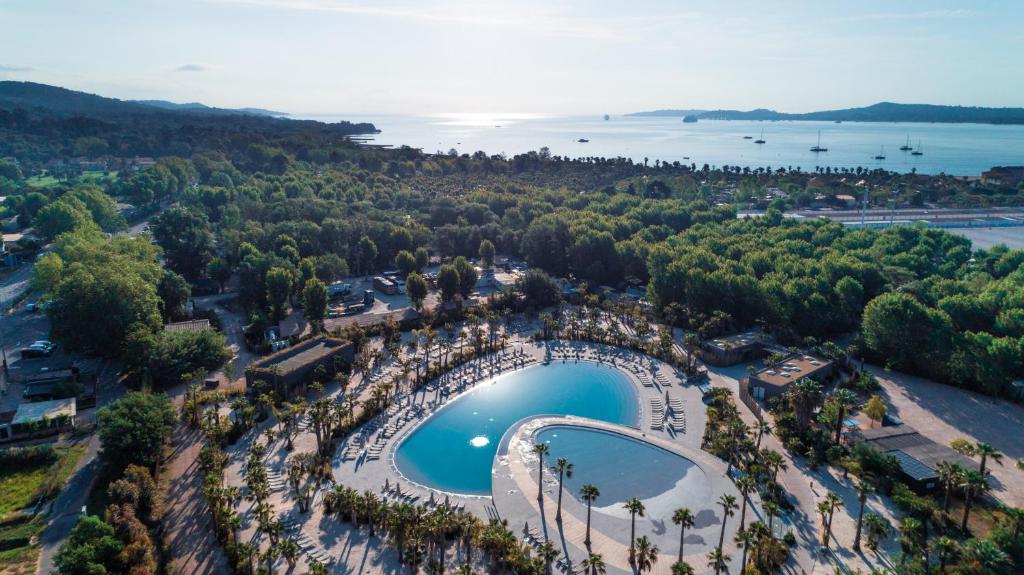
(454, 449)
(619, 466)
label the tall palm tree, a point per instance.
(646, 554)
(833, 501)
(950, 475)
(775, 462)
(728, 504)
(290, 550)
(635, 507)
(594, 564)
(987, 452)
(589, 493)
(744, 540)
(564, 470)
(863, 490)
(975, 484)
(763, 428)
(844, 400)
(718, 560)
(746, 485)
(540, 449)
(682, 517)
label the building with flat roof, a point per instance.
(775, 380)
(39, 419)
(291, 366)
(918, 456)
(733, 349)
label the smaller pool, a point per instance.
(619, 466)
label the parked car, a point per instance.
(36, 351)
(32, 306)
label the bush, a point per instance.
(789, 539)
(21, 456)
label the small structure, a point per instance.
(733, 349)
(190, 325)
(775, 380)
(43, 418)
(406, 318)
(918, 456)
(291, 366)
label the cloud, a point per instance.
(4, 68)
(191, 68)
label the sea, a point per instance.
(954, 149)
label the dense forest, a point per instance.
(278, 203)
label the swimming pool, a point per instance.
(454, 449)
(619, 466)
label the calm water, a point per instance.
(453, 450)
(960, 149)
(630, 474)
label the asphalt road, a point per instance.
(67, 507)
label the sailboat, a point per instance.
(918, 151)
(881, 154)
(906, 147)
(761, 139)
(816, 149)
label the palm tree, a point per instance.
(540, 449)
(589, 493)
(771, 509)
(594, 564)
(635, 507)
(878, 529)
(718, 560)
(728, 503)
(844, 400)
(863, 490)
(947, 550)
(833, 501)
(986, 452)
(744, 540)
(646, 554)
(775, 462)
(975, 484)
(763, 428)
(682, 517)
(682, 568)
(548, 552)
(746, 485)
(983, 557)
(950, 475)
(290, 550)
(564, 469)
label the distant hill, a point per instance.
(881, 112)
(198, 107)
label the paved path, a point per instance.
(66, 508)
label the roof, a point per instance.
(301, 355)
(371, 319)
(32, 412)
(913, 445)
(191, 325)
(749, 339)
(792, 369)
(912, 467)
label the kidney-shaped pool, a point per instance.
(453, 450)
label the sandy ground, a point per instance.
(943, 413)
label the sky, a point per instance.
(525, 56)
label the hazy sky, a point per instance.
(404, 56)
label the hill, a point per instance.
(880, 112)
(198, 107)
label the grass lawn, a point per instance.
(93, 177)
(17, 554)
(22, 487)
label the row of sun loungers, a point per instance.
(657, 413)
(677, 415)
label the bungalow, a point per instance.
(918, 456)
(40, 418)
(733, 349)
(294, 365)
(776, 379)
